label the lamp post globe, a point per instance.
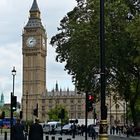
(13, 73)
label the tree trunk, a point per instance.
(133, 112)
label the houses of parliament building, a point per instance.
(34, 94)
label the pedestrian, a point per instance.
(18, 131)
(113, 129)
(36, 131)
(128, 131)
(117, 130)
(73, 130)
(93, 133)
(96, 130)
(82, 129)
(53, 130)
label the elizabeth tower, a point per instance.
(34, 52)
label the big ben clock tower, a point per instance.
(34, 65)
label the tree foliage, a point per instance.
(77, 44)
(54, 114)
(8, 111)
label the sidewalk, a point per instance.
(124, 136)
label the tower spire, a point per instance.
(34, 7)
(34, 19)
(34, 11)
(56, 87)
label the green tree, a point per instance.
(132, 70)
(6, 110)
(124, 58)
(78, 45)
(54, 114)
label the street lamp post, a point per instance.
(110, 116)
(124, 113)
(26, 105)
(103, 123)
(12, 94)
(86, 115)
(116, 106)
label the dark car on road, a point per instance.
(66, 129)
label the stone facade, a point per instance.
(75, 105)
(34, 63)
(116, 110)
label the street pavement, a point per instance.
(123, 137)
(69, 137)
(89, 138)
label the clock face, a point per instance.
(31, 42)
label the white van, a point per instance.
(52, 127)
(46, 128)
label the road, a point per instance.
(69, 137)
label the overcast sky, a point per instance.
(13, 17)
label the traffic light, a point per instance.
(20, 114)
(35, 111)
(14, 103)
(90, 101)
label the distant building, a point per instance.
(75, 105)
(73, 102)
(2, 100)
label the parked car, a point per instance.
(56, 126)
(47, 128)
(66, 129)
(52, 127)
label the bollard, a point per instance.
(5, 135)
(26, 136)
(53, 138)
(47, 137)
(60, 138)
